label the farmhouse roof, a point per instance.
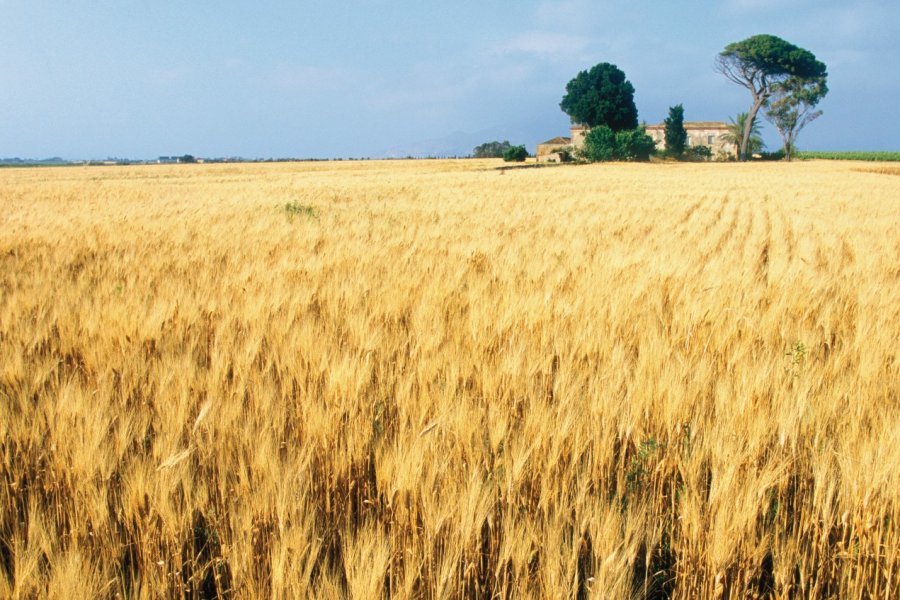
(695, 125)
(558, 140)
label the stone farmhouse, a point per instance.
(700, 133)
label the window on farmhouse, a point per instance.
(710, 139)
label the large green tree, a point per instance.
(792, 107)
(675, 134)
(763, 64)
(601, 96)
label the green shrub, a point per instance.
(602, 144)
(777, 155)
(634, 145)
(599, 145)
(515, 154)
(295, 209)
(698, 153)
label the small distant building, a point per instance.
(699, 133)
(550, 151)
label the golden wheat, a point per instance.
(438, 379)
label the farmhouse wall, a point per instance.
(700, 133)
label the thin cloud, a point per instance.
(544, 44)
(171, 75)
(843, 58)
(301, 77)
(751, 5)
(567, 13)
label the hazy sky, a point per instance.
(91, 79)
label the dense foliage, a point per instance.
(602, 144)
(515, 154)
(601, 96)
(872, 156)
(698, 153)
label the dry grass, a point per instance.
(434, 380)
(880, 169)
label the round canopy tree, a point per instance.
(763, 64)
(792, 107)
(601, 96)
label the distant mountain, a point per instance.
(462, 143)
(33, 161)
(456, 144)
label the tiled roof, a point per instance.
(695, 125)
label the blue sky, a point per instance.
(119, 78)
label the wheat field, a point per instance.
(439, 379)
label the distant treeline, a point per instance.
(59, 162)
(876, 156)
(27, 162)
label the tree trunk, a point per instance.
(758, 101)
(785, 143)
